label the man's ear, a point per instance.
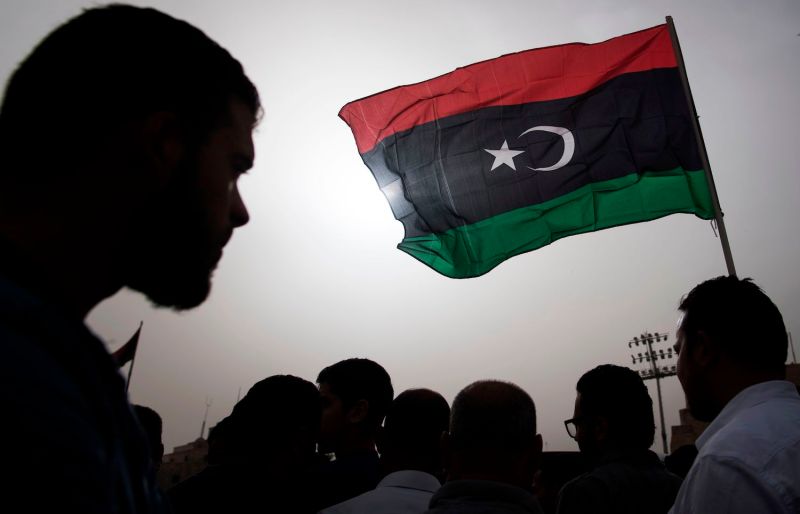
(600, 428)
(358, 412)
(704, 350)
(530, 459)
(536, 452)
(163, 144)
(380, 440)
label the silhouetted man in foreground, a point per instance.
(355, 393)
(732, 347)
(614, 427)
(410, 457)
(491, 452)
(271, 448)
(121, 140)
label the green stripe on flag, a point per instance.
(473, 250)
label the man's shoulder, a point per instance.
(37, 390)
(587, 482)
(482, 497)
(67, 417)
(398, 492)
(382, 500)
(759, 434)
(48, 413)
(757, 453)
(621, 485)
(644, 468)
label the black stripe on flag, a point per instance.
(438, 175)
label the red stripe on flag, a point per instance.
(531, 76)
(127, 351)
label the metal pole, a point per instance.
(205, 418)
(130, 372)
(701, 146)
(657, 374)
(133, 359)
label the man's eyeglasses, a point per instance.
(572, 426)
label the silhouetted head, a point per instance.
(134, 126)
(218, 442)
(412, 433)
(276, 425)
(613, 411)
(356, 394)
(152, 426)
(493, 435)
(731, 336)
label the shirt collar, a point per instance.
(628, 455)
(411, 479)
(747, 398)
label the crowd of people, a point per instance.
(122, 136)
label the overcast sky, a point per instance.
(315, 277)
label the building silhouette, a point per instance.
(183, 462)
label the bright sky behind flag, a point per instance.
(316, 278)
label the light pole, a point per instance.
(205, 418)
(655, 371)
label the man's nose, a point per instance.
(239, 214)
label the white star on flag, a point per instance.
(504, 156)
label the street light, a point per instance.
(658, 368)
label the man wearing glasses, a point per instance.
(614, 427)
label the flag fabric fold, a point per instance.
(127, 351)
(508, 155)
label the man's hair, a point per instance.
(104, 69)
(415, 423)
(741, 318)
(360, 379)
(218, 441)
(491, 422)
(619, 395)
(273, 410)
(152, 426)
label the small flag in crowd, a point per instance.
(127, 351)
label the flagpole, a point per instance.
(133, 359)
(723, 234)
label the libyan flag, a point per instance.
(508, 155)
(127, 351)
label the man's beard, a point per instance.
(171, 257)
